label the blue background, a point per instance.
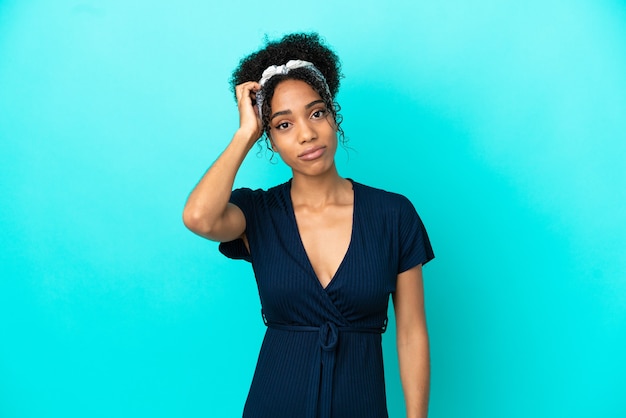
(503, 121)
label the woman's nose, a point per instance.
(306, 133)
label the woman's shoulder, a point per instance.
(259, 192)
(380, 196)
(260, 200)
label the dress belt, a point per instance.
(325, 358)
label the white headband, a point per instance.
(273, 70)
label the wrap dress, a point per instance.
(321, 356)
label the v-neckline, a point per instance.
(303, 248)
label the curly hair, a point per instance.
(296, 46)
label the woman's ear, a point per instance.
(271, 142)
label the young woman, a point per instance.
(326, 251)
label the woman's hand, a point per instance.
(250, 123)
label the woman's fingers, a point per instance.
(248, 115)
(246, 90)
(246, 96)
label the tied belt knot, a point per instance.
(329, 336)
(321, 386)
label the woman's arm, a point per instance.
(207, 211)
(412, 341)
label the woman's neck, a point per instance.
(318, 191)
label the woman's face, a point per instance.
(302, 130)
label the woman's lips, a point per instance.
(312, 153)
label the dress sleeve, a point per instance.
(236, 249)
(415, 246)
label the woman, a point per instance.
(326, 251)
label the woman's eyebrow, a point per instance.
(282, 112)
(313, 103)
(288, 112)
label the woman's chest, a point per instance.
(325, 238)
(359, 286)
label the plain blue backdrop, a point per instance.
(503, 121)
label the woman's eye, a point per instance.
(283, 125)
(319, 113)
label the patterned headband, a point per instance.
(273, 70)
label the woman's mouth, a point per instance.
(312, 153)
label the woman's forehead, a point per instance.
(294, 92)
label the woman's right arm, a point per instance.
(207, 211)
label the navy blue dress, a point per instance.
(322, 356)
